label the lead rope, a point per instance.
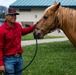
(28, 63)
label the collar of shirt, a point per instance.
(7, 26)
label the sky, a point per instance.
(6, 2)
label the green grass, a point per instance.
(30, 37)
(57, 58)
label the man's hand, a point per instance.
(2, 69)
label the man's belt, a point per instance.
(17, 55)
(14, 55)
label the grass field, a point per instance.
(30, 37)
(57, 58)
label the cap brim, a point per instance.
(11, 13)
(14, 13)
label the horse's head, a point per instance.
(47, 22)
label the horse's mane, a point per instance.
(67, 18)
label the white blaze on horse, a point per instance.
(55, 17)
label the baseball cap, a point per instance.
(11, 11)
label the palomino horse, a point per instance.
(54, 17)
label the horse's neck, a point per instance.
(67, 20)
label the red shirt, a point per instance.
(10, 39)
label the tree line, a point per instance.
(2, 11)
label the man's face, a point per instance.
(10, 18)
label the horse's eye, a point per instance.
(45, 17)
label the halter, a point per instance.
(53, 29)
(56, 26)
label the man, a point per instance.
(10, 43)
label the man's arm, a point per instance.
(28, 29)
(2, 69)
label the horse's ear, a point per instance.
(55, 2)
(56, 7)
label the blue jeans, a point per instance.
(13, 64)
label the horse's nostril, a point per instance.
(38, 35)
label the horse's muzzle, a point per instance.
(36, 35)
